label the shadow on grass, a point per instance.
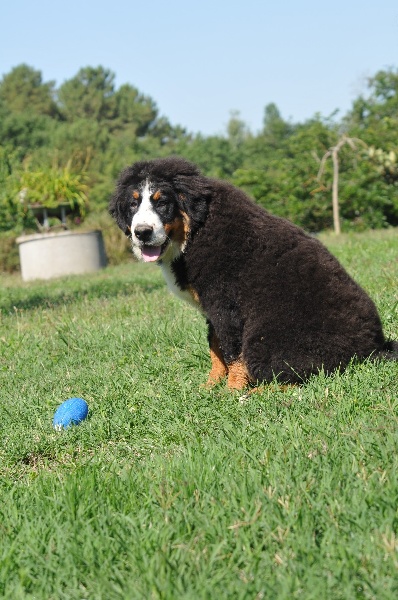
(61, 292)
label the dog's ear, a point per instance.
(119, 209)
(193, 194)
(119, 205)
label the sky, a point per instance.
(200, 61)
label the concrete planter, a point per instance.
(49, 255)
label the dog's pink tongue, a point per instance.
(150, 253)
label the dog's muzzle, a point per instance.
(149, 245)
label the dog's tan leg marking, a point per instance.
(238, 376)
(218, 367)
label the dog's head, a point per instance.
(160, 204)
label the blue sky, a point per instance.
(201, 60)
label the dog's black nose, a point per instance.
(143, 232)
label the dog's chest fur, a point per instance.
(173, 273)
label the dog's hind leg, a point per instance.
(238, 377)
(225, 341)
(237, 373)
(218, 367)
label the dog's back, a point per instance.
(294, 306)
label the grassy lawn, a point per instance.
(169, 490)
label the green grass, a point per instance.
(169, 490)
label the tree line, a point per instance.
(93, 129)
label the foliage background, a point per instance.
(94, 129)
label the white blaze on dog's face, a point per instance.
(147, 231)
(158, 229)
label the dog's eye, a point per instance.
(159, 199)
(133, 202)
(134, 199)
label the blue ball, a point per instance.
(70, 412)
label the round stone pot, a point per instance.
(49, 255)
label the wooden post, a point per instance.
(334, 153)
(335, 191)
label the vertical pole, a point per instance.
(45, 219)
(335, 191)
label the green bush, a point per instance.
(14, 214)
(56, 185)
(9, 256)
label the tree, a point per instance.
(278, 170)
(24, 133)
(215, 155)
(134, 110)
(275, 128)
(375, 118)
(88, 95)
(23, 91)
(237, 130)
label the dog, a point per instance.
(279, 306)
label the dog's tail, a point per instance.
(389, 352)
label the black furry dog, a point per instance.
(277, 303)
